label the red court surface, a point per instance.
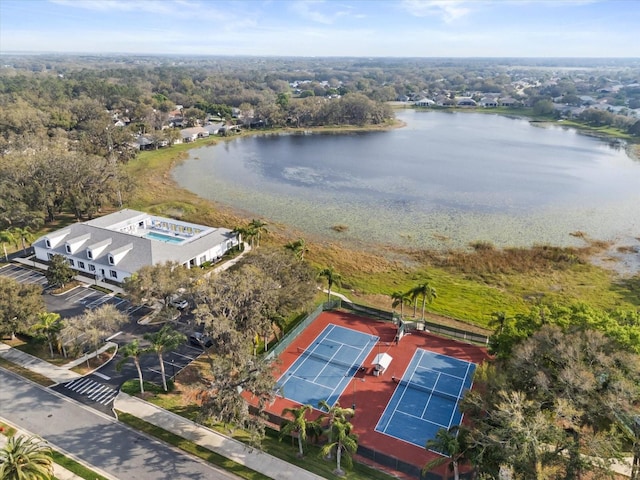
(370, 393)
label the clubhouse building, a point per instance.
(115, 246)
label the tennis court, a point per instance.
(426, 398)
(326, 366)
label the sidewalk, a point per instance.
(46, 369)
(59, 471)
(227, 447)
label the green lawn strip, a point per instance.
(75, 467)
(23, 372)
(190, 447)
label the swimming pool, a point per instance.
(164, 238)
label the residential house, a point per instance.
(115, 246)
(466, 102)
(424, 102)
(488, 102)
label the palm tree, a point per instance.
(49, 324)
(498, 320)
(335, 413)
(26, 458)
(332, 277)
(7, 236)
(448, 442)
(243, 233)
(132, 350)
(298, 424)
(344, 442)
(25, 235)
(402, 299)
(164, 339)
(298, 248)
(428, 294)
(257, 227)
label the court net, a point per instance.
(416, 386)
(336, 361)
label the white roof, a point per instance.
(383, 360)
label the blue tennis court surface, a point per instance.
(426, 398)
(326, 367)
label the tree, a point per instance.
(298, 424)
(344, 443)
(428, 294)
(133, 351)
(87, 332)
(223, 398)
(299, 248)
(543, 107)
(157, 282)
(25, 235)
(552, 405)
(19, 304)
(165, 339)
(49, 324)
(402, 299)
(7, 236)
(333, 413)
(59, 272)
(447, 442)
(498, 320)
(26, 458)
(257, 228)
(332, 277)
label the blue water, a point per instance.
(164, 238)
(444, 179)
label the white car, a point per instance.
(179, 303)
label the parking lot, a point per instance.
(73, 302)
(99, 388)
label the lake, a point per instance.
(444, 180)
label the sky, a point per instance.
(325, 28)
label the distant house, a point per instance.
(213, 128)
(115, 246)
(193, 133)
(424, 102)
(488, 102)
(144, 143)
(508, 102)
(466, 102)
(445, 101)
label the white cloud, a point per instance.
(311, 10)
(448, 10)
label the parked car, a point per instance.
(200, 340)
(179, 303)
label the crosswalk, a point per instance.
(95, 391)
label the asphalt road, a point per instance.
(95, 438)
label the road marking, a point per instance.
(184, 356)
(101, 375)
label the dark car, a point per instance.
(200, 340)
